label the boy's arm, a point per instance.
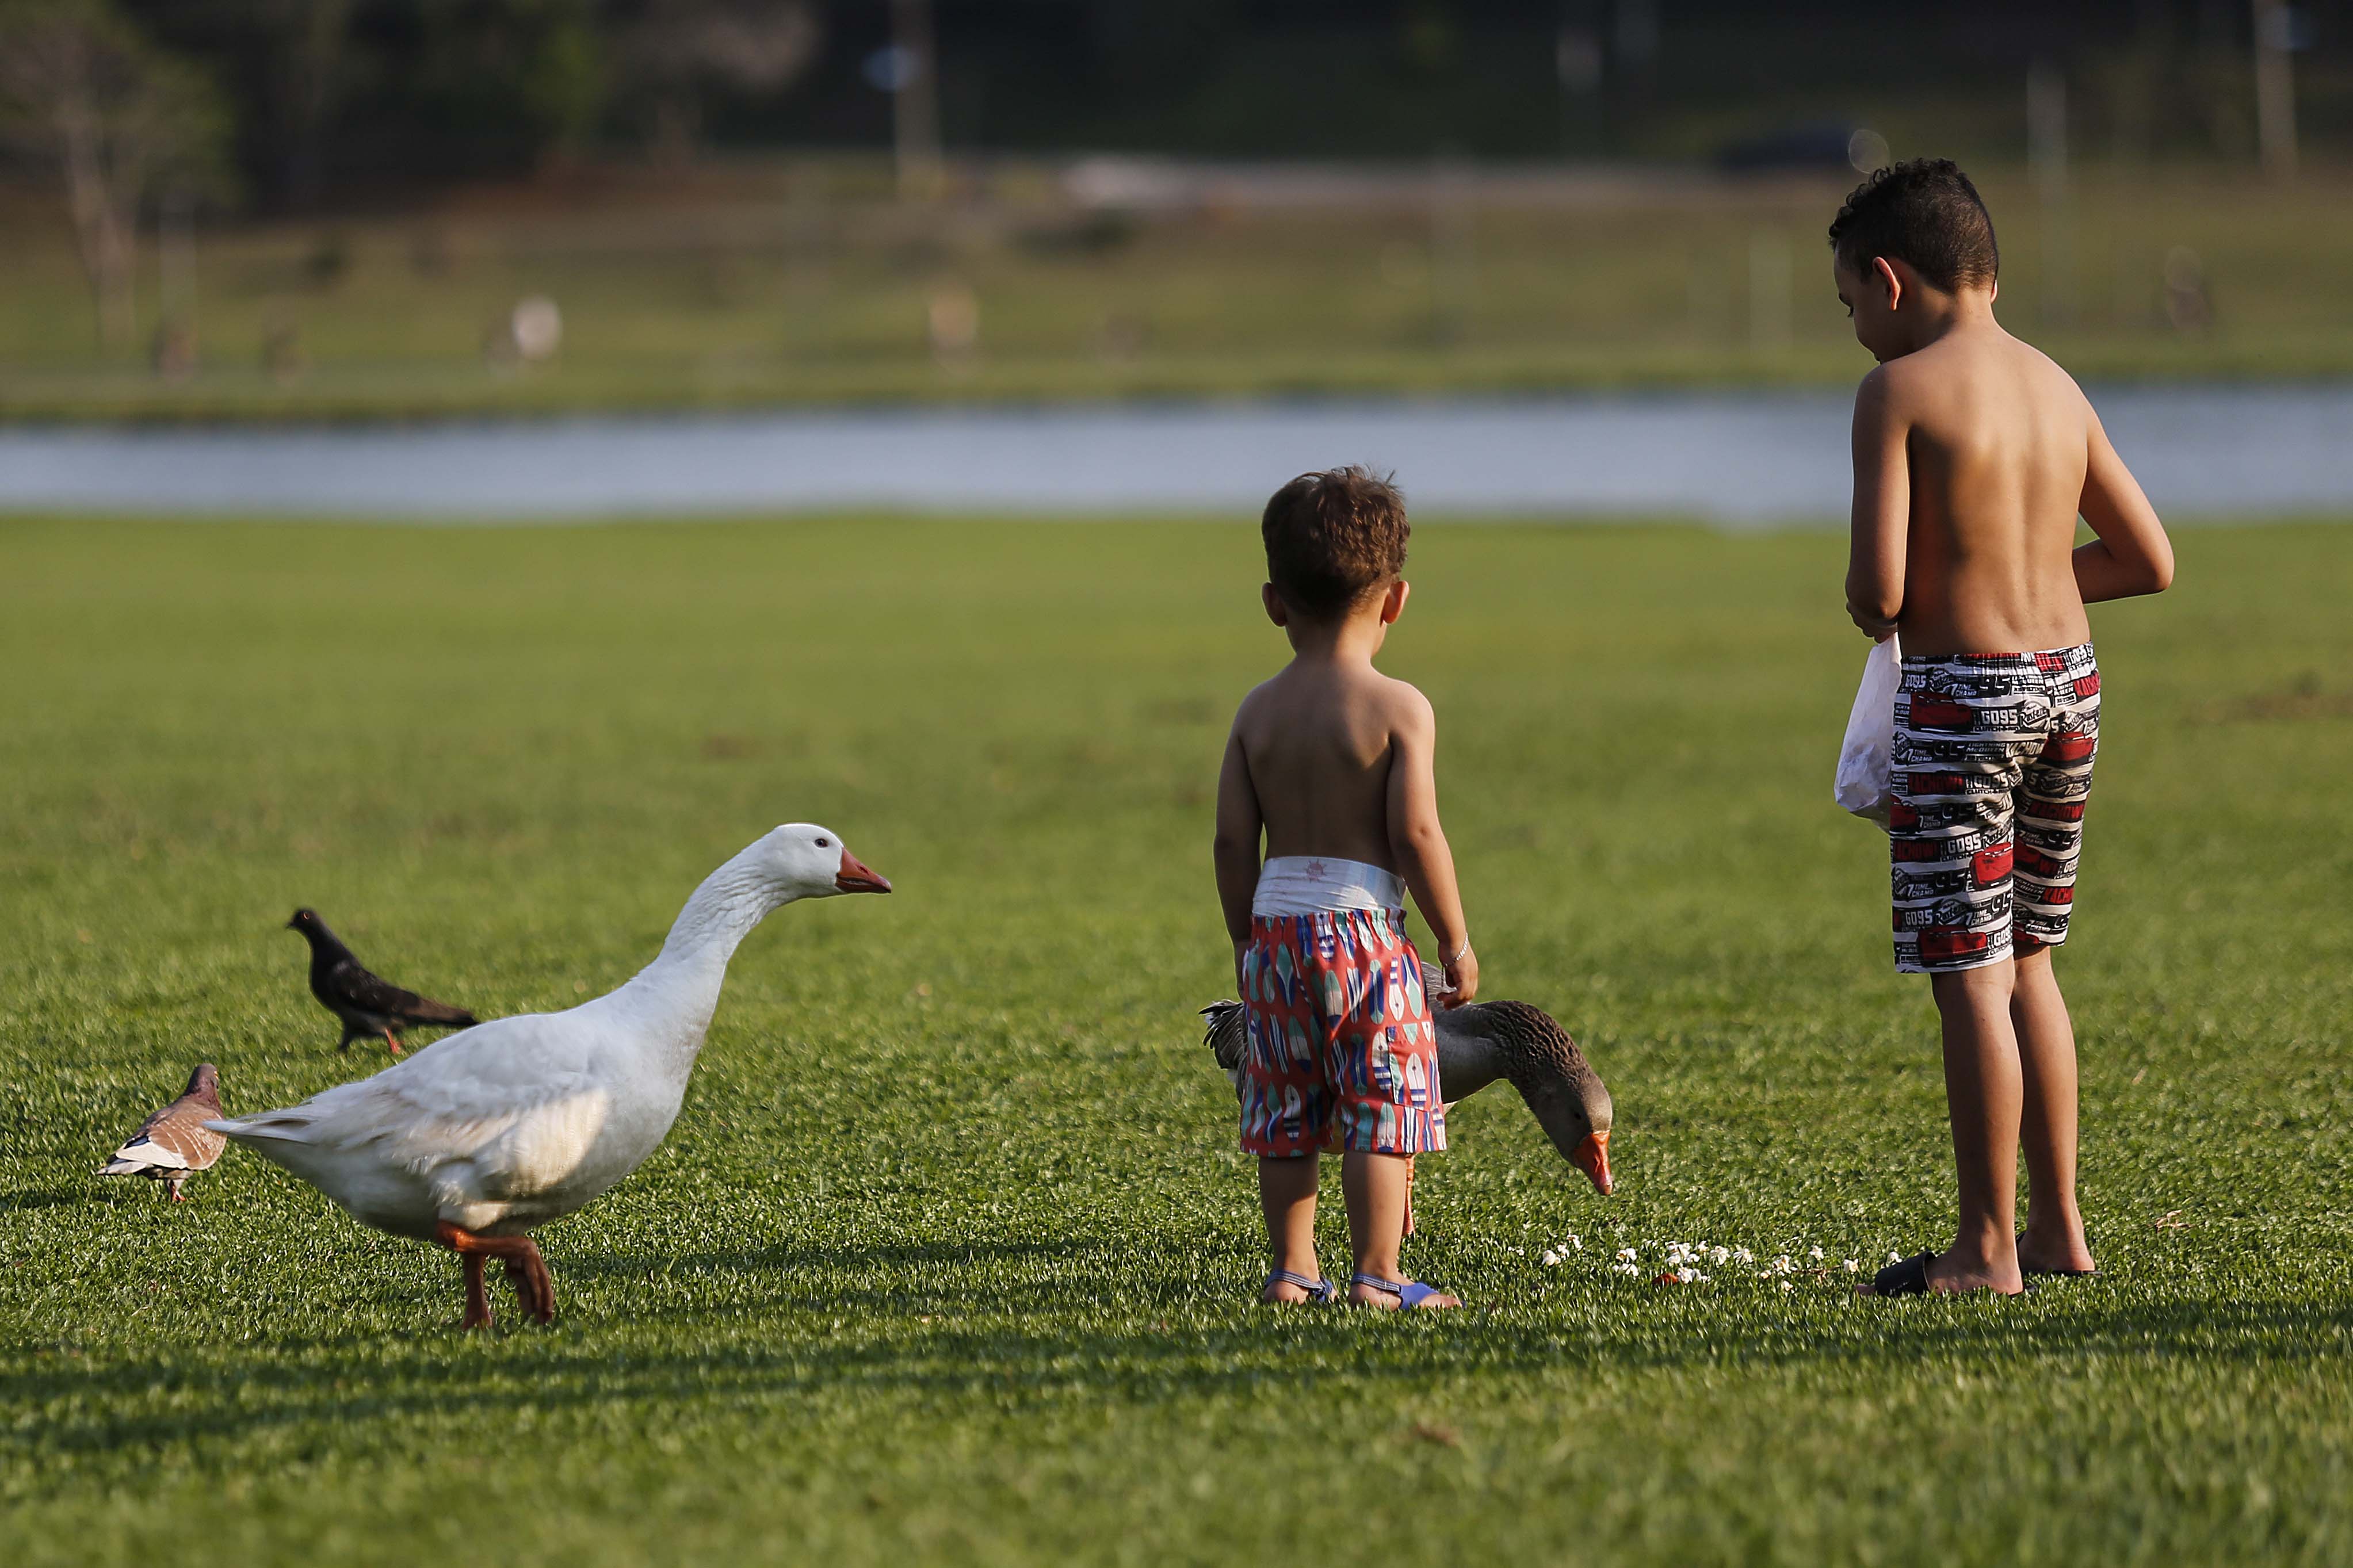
(2131, 556)
(1883, 510)
(1419, 844)
(1236, 846)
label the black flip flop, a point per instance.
(1910, 1278)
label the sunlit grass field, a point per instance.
(801, 281)
(949, 1256)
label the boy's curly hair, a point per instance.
(1334, 537)
(1926, 212)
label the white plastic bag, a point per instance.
(1865, 783)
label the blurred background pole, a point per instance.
(1453, 254)
(2276, 87)
(175, 258)
(915, 100)
(1770, 279)
(2046, 161)
(1576, 60)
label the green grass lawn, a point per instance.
(798, 282)
(948, 1258)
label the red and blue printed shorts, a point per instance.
(1991, 766)
(1342, 1053)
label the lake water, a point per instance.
(1739, 459)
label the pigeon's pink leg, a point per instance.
(526, 1269)
(393, 1041)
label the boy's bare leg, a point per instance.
(2053, 1238)
(1376, 1188)
(1286, 1190)
(1984, 1089)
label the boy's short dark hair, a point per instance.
(1332, 538)
(1925, 212)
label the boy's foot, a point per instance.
(1390, 1295)
(2063, 1257)
(1284, 1289)
(1933, 1274)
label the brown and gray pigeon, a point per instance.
(175, 1143)
(368, 1006)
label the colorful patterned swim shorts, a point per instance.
(1992, 764)
(1342, 1053)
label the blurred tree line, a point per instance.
(319, 96)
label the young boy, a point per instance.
(1974, 455)
(1331, 760)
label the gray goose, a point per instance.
(175, 1143)
(1477, 1045)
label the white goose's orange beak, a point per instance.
(1592, 1157)
(854, 877)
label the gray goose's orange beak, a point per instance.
(854, 877)
(1592, 1157)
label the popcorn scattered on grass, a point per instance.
(1697, 1262)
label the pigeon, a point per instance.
(367, 1005)
(175, 1143)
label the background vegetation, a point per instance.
(352, 209)
(805, 282)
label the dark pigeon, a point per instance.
(175, 1143)
(367, 1005)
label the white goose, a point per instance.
(477, 1139)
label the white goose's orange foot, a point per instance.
(477, 1299)
(526, 1270)
(535, 1289)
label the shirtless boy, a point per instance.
(1331, 762)
(1974, 455)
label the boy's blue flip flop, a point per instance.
(1319, 1292)
(1410, 1293)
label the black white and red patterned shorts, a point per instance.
(1992, 764)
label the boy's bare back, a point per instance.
(1325, 744)
(1994, 441)
(1974, 455)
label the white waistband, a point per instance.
(1314, 884)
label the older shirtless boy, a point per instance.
(1330, 763)
(1974, 455)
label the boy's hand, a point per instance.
(1461, 980)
